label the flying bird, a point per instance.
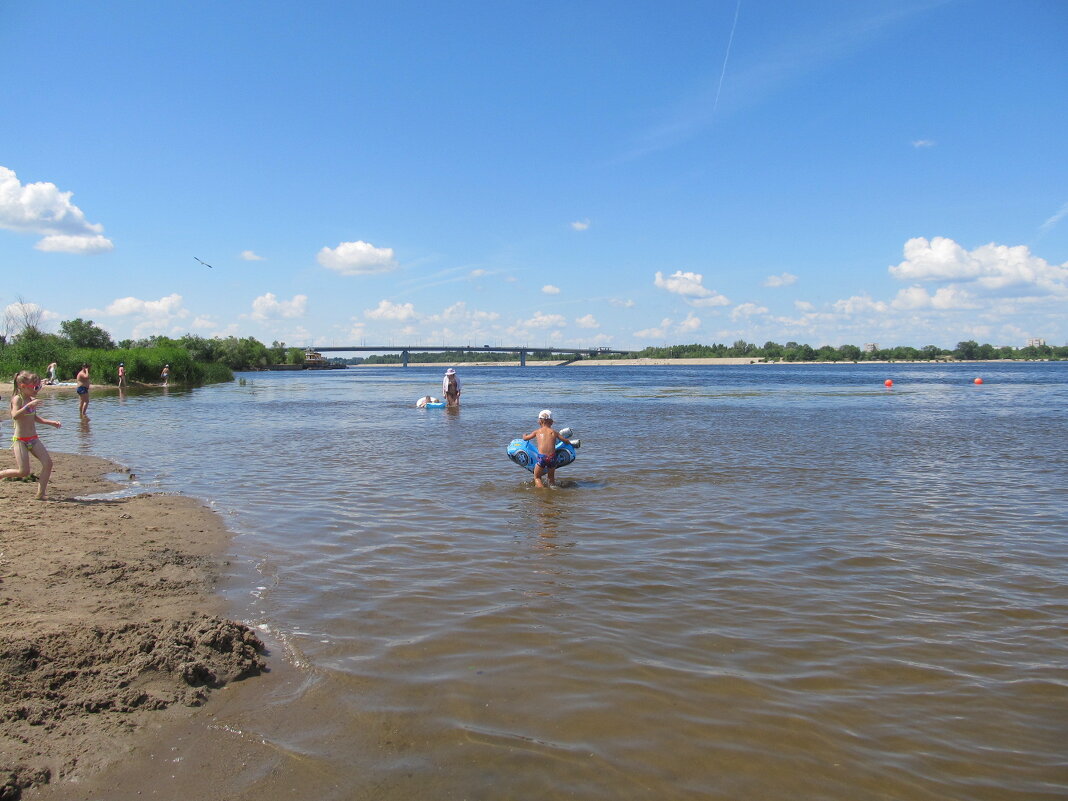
(204, 263)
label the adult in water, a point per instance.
(450, 387)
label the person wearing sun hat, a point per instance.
(450, 387)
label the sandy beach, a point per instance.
(108, 621)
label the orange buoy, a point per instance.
(978, 381)
(888, 383)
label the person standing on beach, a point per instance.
(83, 390)
(450, 387)
(52, 373)
(166, 374)
(122, 374)
(24, 402)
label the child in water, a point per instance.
(24, 415)
(546, 438)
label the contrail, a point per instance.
(723, 72)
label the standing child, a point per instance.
(450, 388)
(122, 374)
(165, 376)
(24, 415)
(52, 373)
(546, 437)
(83, 390)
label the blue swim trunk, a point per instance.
(546, 461)
(83, 390)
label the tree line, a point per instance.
(969, 350)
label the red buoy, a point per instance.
(978, 381)
(888, 383)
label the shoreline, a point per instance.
(726, 361)
(109, 621)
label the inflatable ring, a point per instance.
(525, 453)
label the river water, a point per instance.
(755, 582)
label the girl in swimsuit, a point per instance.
(24, 402)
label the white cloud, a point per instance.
(549, 289)
(690, 287)
(41, 208)
(1056, 218)
(782, 279)
(860, 304)
(458, 312)
(947, 297)
(541, 320)
(623, 303)
(922, 143)
(803, 305)
(479, 273)
(989, 268)
(581, 225)
(165, 308)
(269, 307)
(358, 258)
(747, 310)
(655, 333)
(587, 321)
(691, 323)
(387, 310)
(251, 255)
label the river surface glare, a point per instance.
(757, 582)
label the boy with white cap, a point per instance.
(545, 436)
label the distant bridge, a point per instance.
(406, 350)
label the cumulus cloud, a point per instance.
(747, 310)
(803, 305)
(41, 208)
(668, 326)
(691, 323)
(623, 303)
(358, 258)
(990, 268)
(549, 289)
(691, 287)
(543, 321)
(387, 310)
(782, 279)
(947, 297)
(269, 307)
(860, 304)
(587, 321)
(581, 225)
(165, 308)
(250, 255)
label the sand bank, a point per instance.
(108, 621)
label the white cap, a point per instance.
(545, 414)
(450, 371)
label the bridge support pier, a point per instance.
(522, 358)
(404, 358)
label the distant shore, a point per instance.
(109, 621)
(729, 361)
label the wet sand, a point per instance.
(109, 622)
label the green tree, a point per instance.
(84, 334)
(967, 350)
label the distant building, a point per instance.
(1035, 342)
(313, 359)
(870, 347)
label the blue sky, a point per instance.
(589, 173)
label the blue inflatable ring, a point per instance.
(525, 453)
